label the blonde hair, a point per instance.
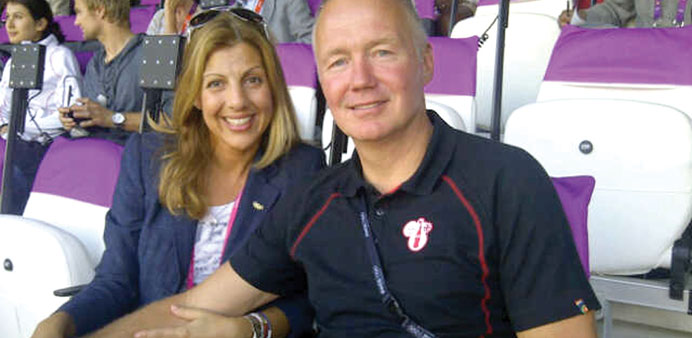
(188, 153)
(117, 11)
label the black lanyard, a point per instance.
(387, 298)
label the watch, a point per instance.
(118, 119)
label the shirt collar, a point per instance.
(437, 156)
(49, 40)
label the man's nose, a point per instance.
(362, 74)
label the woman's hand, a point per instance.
(60, 324)
(201, 323)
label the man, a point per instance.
(465, 9)
(113, 99)
(618, 13)
(466, 234)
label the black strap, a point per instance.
(387, 298)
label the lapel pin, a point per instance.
(257, 205)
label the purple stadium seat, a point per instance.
(610, 64)
(3, 144)
(575, 194)
(83, 58)
(453, 86)
(71, 32)
(589, 55)
(426, 9)
(140, 18)
(298, 64)
(82, 169)
(149, 2)
(314, 6)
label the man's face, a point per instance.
(86, 20)
(370, 71)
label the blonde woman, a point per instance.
(190, 195)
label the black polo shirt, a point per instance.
(474, 244)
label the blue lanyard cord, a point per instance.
(387, 298)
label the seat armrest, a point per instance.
(69, 291)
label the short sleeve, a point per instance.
(264, 260)
(540, 272)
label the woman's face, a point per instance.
(21, 26)
(236, 99)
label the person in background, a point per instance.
(619, 13)
(173, 18)
(288, 20)
(465, 9)
(32, 21)
(189, 196)
(60, 7)
(110, 108)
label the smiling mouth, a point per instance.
(238, 121)
(367, 106)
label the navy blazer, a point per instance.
(148, 250)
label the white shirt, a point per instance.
(61, 73)
(210, 241)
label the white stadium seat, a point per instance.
(529, 40)
(58, 241)
(641, 159)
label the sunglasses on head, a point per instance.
(243, 14)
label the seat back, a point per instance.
(546, 7)
(314, 6)
(298, 64)
(528, 41)
(140, 18)
(38, 259)
(74, 188)
(69, 29)
(3, 146)
(641, 157)
(454, 81)
(610, 63)
(426, 9)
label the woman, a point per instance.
(229, 152)
(32, 21)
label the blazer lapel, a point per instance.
(185, 230)
(259, 196)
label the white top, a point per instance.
(210, 240)
(61, 73)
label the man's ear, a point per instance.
(100, 12)
(428, 63)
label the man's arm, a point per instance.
(580, 326)
(224, 292)
(98, 115)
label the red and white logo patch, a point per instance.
(417, 233)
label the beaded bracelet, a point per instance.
(269, 324)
